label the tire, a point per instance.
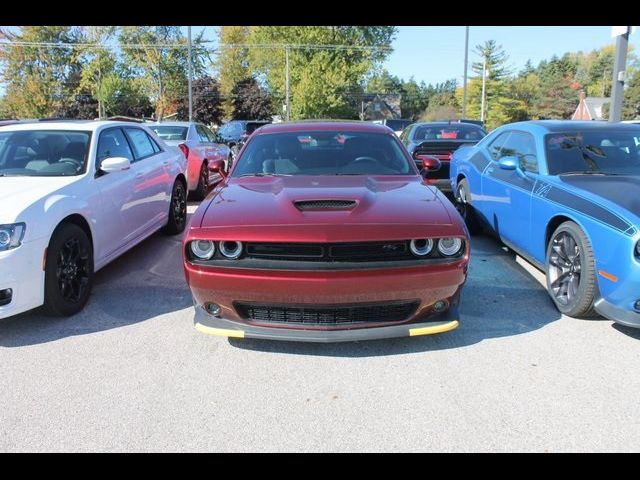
(177, 210)
(571, 272)
(68, 275)
(203, 183)
(465, 209)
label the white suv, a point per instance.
(75, 195)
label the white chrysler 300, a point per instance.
(74, 195)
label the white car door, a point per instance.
(151, 179)
(114, 217)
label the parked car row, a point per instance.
(323, 231)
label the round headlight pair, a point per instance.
(448, 247)
(205, 249)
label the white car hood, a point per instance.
(18, 193)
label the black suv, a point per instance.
(236, 132)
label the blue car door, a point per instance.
(508, 188)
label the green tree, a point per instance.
(324, 81)
(98, 63)
(159, 56)
(232, 63)
(39, 78)
(494, 58)
(557, 98)
(631, 101)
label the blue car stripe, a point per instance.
(568, 200)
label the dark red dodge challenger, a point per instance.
(324, 232)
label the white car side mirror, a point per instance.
(115, 164)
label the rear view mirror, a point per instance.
(508, 163)
(427, 164)
(115, 164)
(217, 166)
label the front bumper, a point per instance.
(211, 325)
(21, 271)
(617, 314)
(424, 285)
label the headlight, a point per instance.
(203, 249)
(449, 246)
(11, 235)
(421, 246)
(230, 248)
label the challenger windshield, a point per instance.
(323, 153)
(606, 151)
(43, 153)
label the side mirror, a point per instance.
(115, 164)
(217, 166)
(427, 163)
(508, 163)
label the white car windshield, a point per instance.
(46, 153)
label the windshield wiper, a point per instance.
(262, 174)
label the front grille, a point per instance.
(305, 205)
(438, 148)
(327, 315)
(331, 252)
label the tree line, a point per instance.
(142, 72)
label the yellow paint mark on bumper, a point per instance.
(221, 332)
(608, 276)
(445, 327)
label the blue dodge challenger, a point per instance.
(565, 195)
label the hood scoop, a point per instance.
(327, 204)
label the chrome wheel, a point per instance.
(565, 268)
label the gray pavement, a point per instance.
(130, 373)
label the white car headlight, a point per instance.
(11, 235)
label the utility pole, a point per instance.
(619, 66)
(190, 73)
(466, 61)
(286, 59)
(484, 86)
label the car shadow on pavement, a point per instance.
(142, 284)
(500, 299)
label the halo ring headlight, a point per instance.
(230, 248)
(203, 249)
(449, 246)
(421, 246)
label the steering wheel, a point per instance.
(73, 161)
(366, 160)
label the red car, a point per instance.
(339, 238)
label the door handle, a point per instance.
(166, 162)
(139, 176)
(490, 169)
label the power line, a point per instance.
(221, 46)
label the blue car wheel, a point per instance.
(465, 209)
(571, 279)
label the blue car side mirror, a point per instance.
(508, 163)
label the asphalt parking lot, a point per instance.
(130, 373)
